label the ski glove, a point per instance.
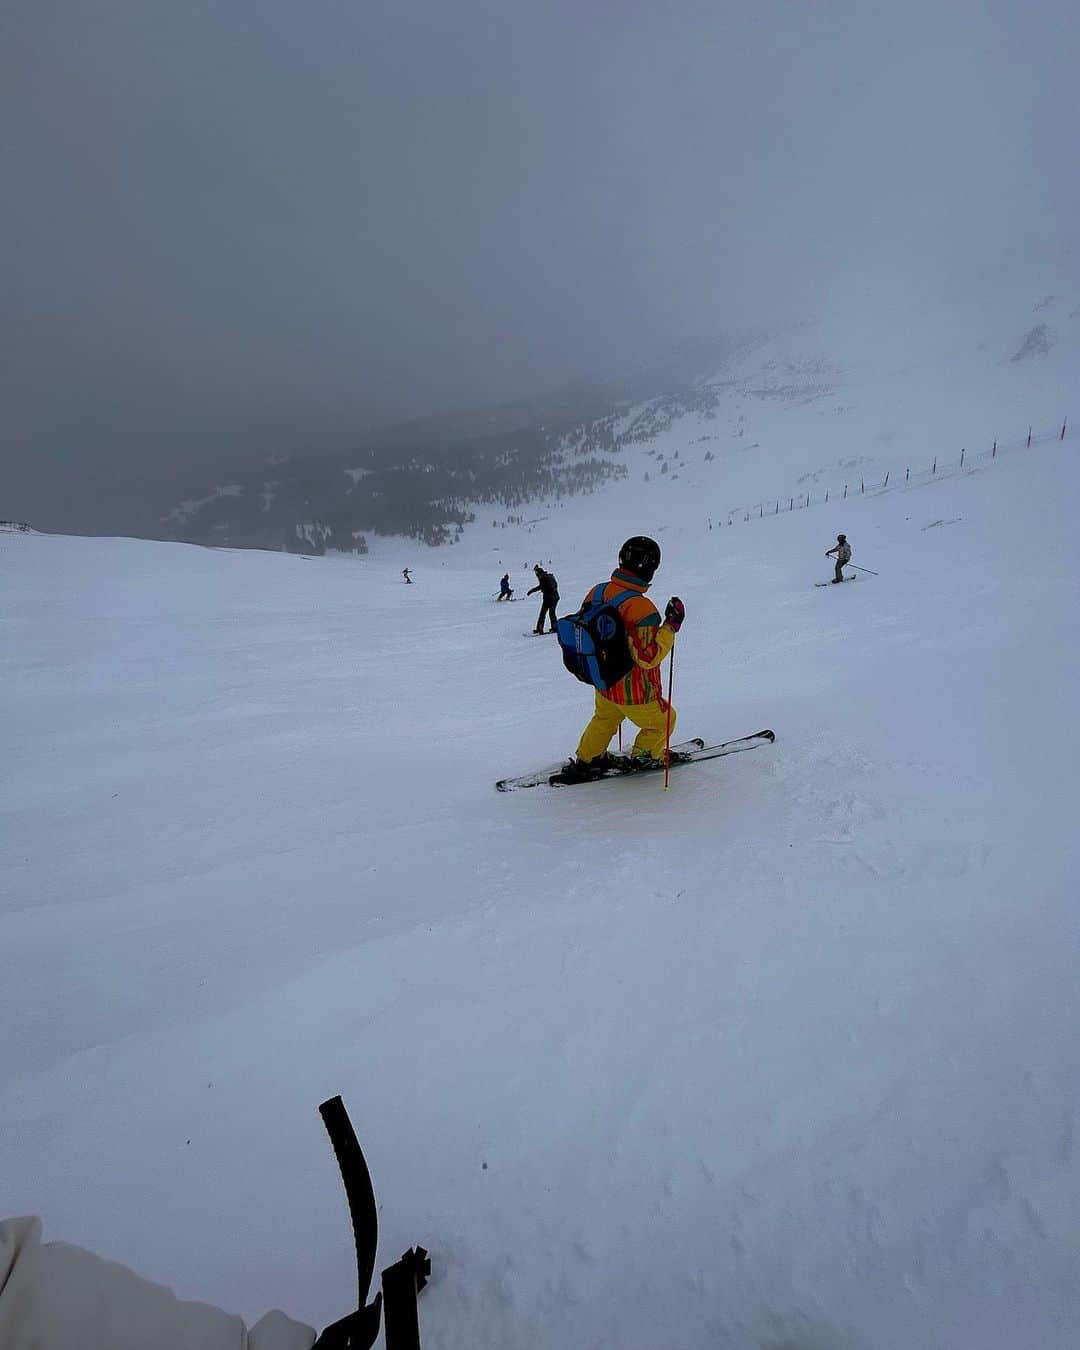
(675, 613)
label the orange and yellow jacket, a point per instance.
(650, 641)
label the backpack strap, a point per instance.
(597, 597)
(620, 599)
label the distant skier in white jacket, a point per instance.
(843, 555)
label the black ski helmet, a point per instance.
(841, 538)
(640, 555)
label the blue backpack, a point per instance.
(595, 648)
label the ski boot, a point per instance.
(584, 771)
(641, 763)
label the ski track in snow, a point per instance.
(786, 1057)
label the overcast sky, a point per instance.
(239, 224)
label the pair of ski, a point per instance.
(834, 583)
(686, 752)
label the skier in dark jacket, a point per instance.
(549, 592)
(843, 555)
(505, 593)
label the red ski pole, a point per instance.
(667, 737)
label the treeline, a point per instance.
(316, 536)
(426, 493)
(609, 435)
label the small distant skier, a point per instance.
(405, 574)
(505, 593)
(843, 555)
(639, 696)
(549, 598)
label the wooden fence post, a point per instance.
(1063, 428)
(993, 453)
(1029, 438)
(934, 469)
(961, 456)
(886, 482)
(845, 492)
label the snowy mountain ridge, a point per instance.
(925, 381)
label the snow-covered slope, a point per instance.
(837, 402)
(785, 1056)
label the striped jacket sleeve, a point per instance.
(650, 642)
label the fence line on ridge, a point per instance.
(939, 469)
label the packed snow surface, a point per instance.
(787, 1056)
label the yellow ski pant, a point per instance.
(650, 718)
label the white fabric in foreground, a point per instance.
(57, 1297)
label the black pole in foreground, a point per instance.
(401, 1281)
(401, 1284)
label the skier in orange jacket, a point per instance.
(639, 695)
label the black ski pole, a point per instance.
(861, 569)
